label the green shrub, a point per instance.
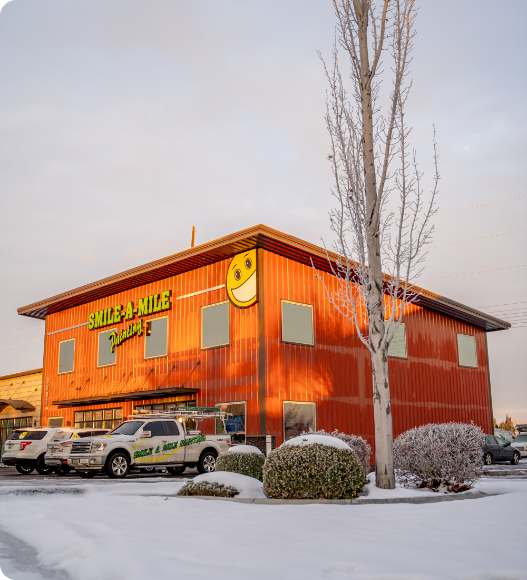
(250, 464)
(208, 488)
(312, 472)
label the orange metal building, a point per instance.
(242, 322)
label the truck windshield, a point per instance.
(128, 428)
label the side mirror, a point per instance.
(508, 444)
(146, 435)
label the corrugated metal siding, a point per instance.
(428, 386)
(226, 374)
(336, 373)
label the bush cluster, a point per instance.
(312, 472)
(356, 442)
(208, 488)
(444, 454)
(250, 464)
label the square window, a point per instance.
(66, 356)
(108, 413)
(215, 325)
(105, 355)
(298, 417)
(397, 347)
(79, 416)
(297, 323)
(156, 341)
(466, 348)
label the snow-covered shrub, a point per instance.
(312, 471)
(208, 488)
(244, 461)
(358, 445)
(443, 454)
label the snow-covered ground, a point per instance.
(134, 531)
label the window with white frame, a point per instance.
(156, 339)
(466, 350)
(105, 356)
(397, 348)
(215, 325)
(66, 356)
(297, 323)
(298, 417)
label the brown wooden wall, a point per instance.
(429, 386)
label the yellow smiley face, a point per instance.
(242, 281)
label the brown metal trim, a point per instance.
(134, 396)
(17, 404)
(22, 374)
(259, 236)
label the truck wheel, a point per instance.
(117, 466)
(488, 459)
(176, 470)
(24, 469)
(42, 468)
(62, 469)
(207, 462)
(515, 459)
(87, 474)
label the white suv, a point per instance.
(25, 449)
(520, 443)
(59, 448)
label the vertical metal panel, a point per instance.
(226, 373)
(427, 386)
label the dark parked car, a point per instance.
(497, 449)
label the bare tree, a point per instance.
(380, 221)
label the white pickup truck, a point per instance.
(152, 439)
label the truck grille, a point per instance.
(81, 447)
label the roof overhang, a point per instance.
(134, 396)
(16, 404)
(259, 236)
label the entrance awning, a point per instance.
(134, 396)
(16, 404)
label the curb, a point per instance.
(266, 501)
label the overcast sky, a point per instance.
(125, 122)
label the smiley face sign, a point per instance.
(242, 281)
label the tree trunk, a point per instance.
(375, 305)
(385, 478)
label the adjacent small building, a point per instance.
(242, 323)
(20, 402)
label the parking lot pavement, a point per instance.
(520, 469)
(9, 476)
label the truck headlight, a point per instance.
(98, 446)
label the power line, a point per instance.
(470, 273)
(447, 212)
(475, 239)
(20, 343)
(484, 158)
(17, 361)
(506, 304)
(17, 333)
